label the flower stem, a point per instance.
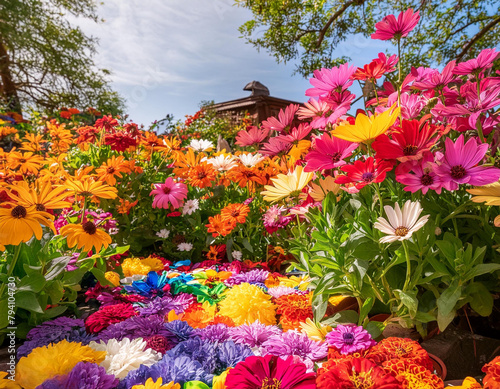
(408, 266)
(11, 268)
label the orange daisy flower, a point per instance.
(25, 163)
(112, 168)
(217, 226)
(6, 130)
(34, 143)
(125, 206)
(202, 176)
(61, 138)
(88, 188)
(185, 161)
(235, 213)
(244, 176)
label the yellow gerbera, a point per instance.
(19, 224)
(314, 331)
(489, 195)
(150, 384)
(286, 185)
(293, 281)
(43, 196)
(55, 359)
(85, 235)
(88, 188)
(325, 185)
(367, 128)
(246, 303)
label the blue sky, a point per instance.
(168, 56)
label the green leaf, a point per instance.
(57, 266)
(28, 301)
(347, 316)
(4, 317)
(481, 299)
(409, 300)
(448, 299)
(33, 282)
(319, 306)
(445, 320)
(365, 310)
(482, 268)
(374, 328)
(54, 312)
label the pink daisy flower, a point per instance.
(420, 175)
(169, 193)
(348, 339)
(459, 164)
(274, 147)
(327, 81)
(284, 120)
(434, 79)
(252, 135)
(329, 153)
(390, 27)
(321, 112)
(483, 61)
(296, 134)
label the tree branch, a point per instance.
(478, 36)
(334, 17)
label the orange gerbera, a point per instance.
(235, 213)
(217, 226)
(152, 142)
(33, 143)
(112, 168)
(42, 195)
(86, 236)
(125, 206)
(244, 176)
(61, 138)
(25, 163)
(202, 175)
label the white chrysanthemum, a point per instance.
(184, 247)
(238, 255)
(201, 145)
(402, 223)
(164, 233)
(222, 162)
(190, 206)
(135, 277)
(125, 355)
(250, 160)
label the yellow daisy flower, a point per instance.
(314, 331)
(42, 197)
(489, 195)
(286, 185)
(19, 224)
(150, 384)
(86, 236)
(87, 188)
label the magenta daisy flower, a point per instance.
(419, 175)
(459, 164)
(483, 61)
(328, 81)
(252, 135)
(169, 193)
(270, 372)
(349, 339)
(390, 27)
(329, 153)
(283, 122)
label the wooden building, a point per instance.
(260, 105)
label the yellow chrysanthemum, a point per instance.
(86, 235)
(367, 128)
(112, 277)
(132, 266)
(247, 303)
(301, 282)
(286, 185)
(55, 359)
(19, 224)
(219, 381)
(6, 383)
(324, 186)
(154, 263)
(150, 384)
(314, 331)
(43, 196)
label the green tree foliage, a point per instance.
(311, 30)
(46, 61)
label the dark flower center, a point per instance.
(110, 170)
(202, 175)
(348, 338)
(458, 172)
(409, 150)
(22, 160)
(335, 157)
(426, 179)
(19, 212)
(401, 231)
(89, 228)
(40, 207)
(85, 193)
(166, 190)
(235, 213)
(367, 177)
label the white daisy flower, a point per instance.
(201, 145)
(129, 280)
(250, 160)
(238, 255)
(190, 206)
(402, 223)
(164, 233)
(125, 355)
(184, 247)
(222, 162)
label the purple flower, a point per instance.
(256, 276)
(279, 291)
(83, 376)
(179, 331)
(295, 343)
(196, 349)
(253, 335)
(229, 354)
(348, 339)
(135, 327)
(213, 333)
(162, 306)
(459, 164)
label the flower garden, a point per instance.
(132, 259)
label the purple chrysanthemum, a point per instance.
(57, 325)
(197, 349)
(253, 335)
(84, 375)
(213, 333)
(256, 276)
(164, 305)
(229, 354)
(135, 327)
(179, 331)
(295, 343)
(348, 339)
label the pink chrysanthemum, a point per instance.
(459, 165)
(390, 27)
(349, 339)
(169, 193)
(328, 153)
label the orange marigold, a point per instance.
(400, 349)
(492, 378)
(412, 376)
(235, 213)
(294, 309)
(217, 226)
(202, 175)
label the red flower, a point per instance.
(174, 214)
(120, 141)
(409, 374)
(270, 372)
(362, 173)
(357, 373)
(106, 122)
(492, 378)
(408, 142)
(66, 114)
(377, 68)
(108, 315)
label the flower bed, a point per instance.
(183, 247)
